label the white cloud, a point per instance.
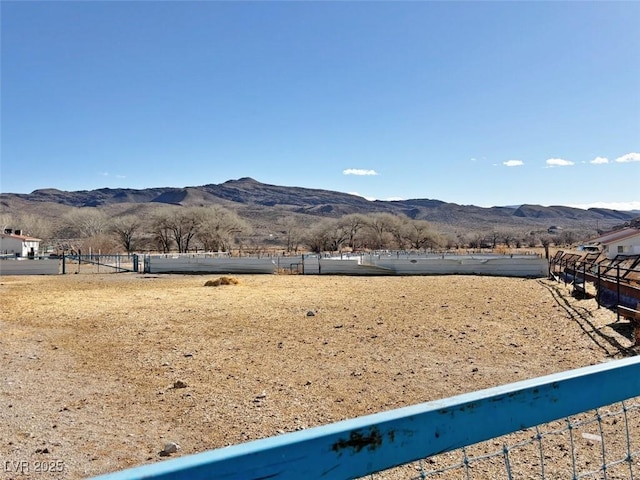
(559, 162)
(629, 157)
(107, 174)
(513, 163)
(624, 206)
(599, 161)
(359, 171)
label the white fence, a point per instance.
(368, 264)
(206, 264)
(390, 264)
(516, 266)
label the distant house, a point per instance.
(16, 244)
(620, 242)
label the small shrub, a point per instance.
(222, 281)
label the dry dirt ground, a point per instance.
(90, 363)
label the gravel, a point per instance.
(101, 370)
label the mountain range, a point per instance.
(253, 199)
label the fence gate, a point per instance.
(93, 263)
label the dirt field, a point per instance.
(101, 371)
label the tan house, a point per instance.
(15, 244)
(620, 242)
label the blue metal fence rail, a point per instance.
(368, 444)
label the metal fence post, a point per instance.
(598, 288)
(618, 291)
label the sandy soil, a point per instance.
(90, 362)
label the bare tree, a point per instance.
(329, 235)
(86, 222)
(337, 235)
(162, 238)
(398, 232)
(315, 239)
(508, 238)
(322, 236)
(493, 238)
(36, 225)
(352, 224)
(459, 240)
(6, 221)
(178, 224)
(218, 228)
(292, 230)
(85, 228)
(420, 235)
(567, 237)
(161, 230)
(476, 240)
(531, 239)
(381, 229)
(100, 243)
(126, 230)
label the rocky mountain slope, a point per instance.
(253, 198)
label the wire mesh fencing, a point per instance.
(600, 444)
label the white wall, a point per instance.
(11, 245)
(630, 246)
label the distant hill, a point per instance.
(255, 199)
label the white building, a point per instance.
(16, 244)
(620, 242)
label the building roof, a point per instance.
(616, 236)
(24, 238)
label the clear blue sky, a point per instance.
(485, 103)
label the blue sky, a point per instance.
(483, 103)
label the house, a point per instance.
(16, 244)
(620, 242)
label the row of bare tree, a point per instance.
(374, 231)
(215, 228)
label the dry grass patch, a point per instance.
(222, 281)
(90, 362)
